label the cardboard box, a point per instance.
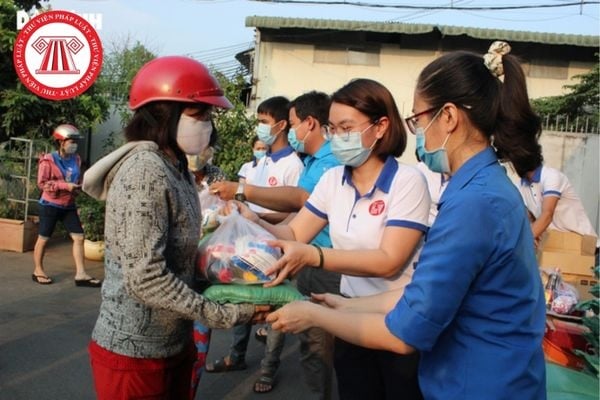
(568, 263)
(582, 283)
(569, 242)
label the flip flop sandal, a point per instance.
(266, 382)
(91, 282)
(261, 335)
(221, 366)
(41, 279)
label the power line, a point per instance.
(412, 7)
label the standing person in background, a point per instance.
(308, 117)
(552, 201)
(475, 307)
(279, 167)
(142, 343)
(248, 169)
(59, 180)
(377, 211)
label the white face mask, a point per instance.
(193, 135)
(71, 148)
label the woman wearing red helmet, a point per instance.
(59, 180)
(142, 345)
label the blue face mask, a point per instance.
(263, 131)
(436, 160)
(348, 148)
(258, 154)
(296, 144)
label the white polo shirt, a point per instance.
(282, 168)
(399, 198)
(436, 183)
(569, 215)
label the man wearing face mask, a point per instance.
(59, 178)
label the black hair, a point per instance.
(375, 101)
(277, 107)
(500, 110)
(314, 104)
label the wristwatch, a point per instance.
(239, 193)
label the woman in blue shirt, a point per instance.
(475, 305)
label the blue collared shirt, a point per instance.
(475, 307)
(314, 167)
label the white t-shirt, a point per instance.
(282, 168)
(436, 183)
(400, 198)
(569, 215)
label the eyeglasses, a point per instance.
(345, 134)
(411, 121)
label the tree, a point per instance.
(122, 61)
(582, 100)
(235, 128)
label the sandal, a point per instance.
(264, 384)
(90, 282)
(221, 365)
(41, 279)
(261, 334)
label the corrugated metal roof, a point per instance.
(415, 29)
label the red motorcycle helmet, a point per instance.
(176, 78)
(66, 131)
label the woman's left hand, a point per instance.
(296, 255)
(294, 317)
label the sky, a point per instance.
(214, 30)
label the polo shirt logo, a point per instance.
(272, 181)
(376, 207)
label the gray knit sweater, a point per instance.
(151, 235)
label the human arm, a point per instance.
(385, 261)
(50, 183)
(366, 329)
(154, 241)
(540, 225)
(280, 198)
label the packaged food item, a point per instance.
(237, 252)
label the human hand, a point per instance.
(73, 186)
(242, 208)
(296, 255)
(261, 312)
(294, 317)
(224, 189)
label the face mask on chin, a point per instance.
(193, 135)
(348, 148)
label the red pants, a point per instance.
(118, 377)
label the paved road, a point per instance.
(44, 331)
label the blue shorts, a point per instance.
(49, 216)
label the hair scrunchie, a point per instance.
(493, 58)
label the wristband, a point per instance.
(321, 258)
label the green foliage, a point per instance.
(235, 127)
(591, 321)
(582, 100)
(122, 60)
(91, 214)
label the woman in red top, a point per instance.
(59, 179)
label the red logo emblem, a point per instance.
(272, 181)
(57, 55)
(376, 207)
